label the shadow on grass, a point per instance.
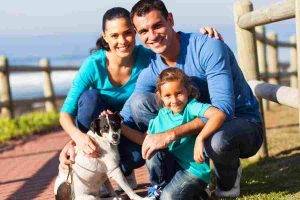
(280, 174)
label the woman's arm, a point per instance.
(82, 140)
(215, 120)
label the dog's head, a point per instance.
(108, 126)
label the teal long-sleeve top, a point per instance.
(93, 74)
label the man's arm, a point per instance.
(214, 56)
(145, 83)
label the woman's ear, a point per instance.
(104, 36)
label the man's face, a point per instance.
(154, 30)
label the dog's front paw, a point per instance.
(117, 198)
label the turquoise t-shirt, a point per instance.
(93, 74)
(183, 148)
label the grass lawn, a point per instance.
(277, 177)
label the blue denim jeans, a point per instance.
(90, 105)
(237, 138)
(175, 182)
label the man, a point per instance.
(212, 67)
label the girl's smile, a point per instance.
(174, 95)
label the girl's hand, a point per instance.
(88, 146)
(211, 32)
(198, 150)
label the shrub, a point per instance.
(27, 124)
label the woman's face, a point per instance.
(120, 36)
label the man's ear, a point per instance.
(95, 126)
(170, 19)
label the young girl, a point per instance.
(178, 97)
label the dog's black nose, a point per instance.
(115, 136)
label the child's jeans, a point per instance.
(175, 182)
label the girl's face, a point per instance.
(120, 36)
(174, 96)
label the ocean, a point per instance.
(68, 49)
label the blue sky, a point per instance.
(38, 28)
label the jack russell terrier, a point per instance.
(84, 178)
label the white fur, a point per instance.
(90, 173)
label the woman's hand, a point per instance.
(86, 144)
(211, 32)
(67, 155)
(198, 149)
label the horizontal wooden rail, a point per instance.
(275, 12)
(260, 37)
(277, 75)
(280, 94)
(27, 68)
(18, 102)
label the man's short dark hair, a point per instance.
(143, 7)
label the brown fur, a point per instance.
(64, 192)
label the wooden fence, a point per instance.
(257, 50)
(7, 104)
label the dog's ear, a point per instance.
(95, 126)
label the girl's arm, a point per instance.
(215, 120)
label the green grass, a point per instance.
(27, 124)
(275, 178)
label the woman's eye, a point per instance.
(114, 36)
(106, 127)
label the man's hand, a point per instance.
(156, 142)
(198, 150)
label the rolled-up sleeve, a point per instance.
(215, 58)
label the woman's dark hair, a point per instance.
(143, 7)
(113, 13)
(175, 74)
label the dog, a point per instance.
(83, 179)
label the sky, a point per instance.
(35, 28)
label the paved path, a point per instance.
(28, 169)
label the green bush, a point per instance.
(27, 124)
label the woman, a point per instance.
(111, 72)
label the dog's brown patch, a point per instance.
(64, 192)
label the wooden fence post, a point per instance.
(48, 85)
(297, 15)
(262, 62)
(6, 98)
(293, 63)
(247, 54)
